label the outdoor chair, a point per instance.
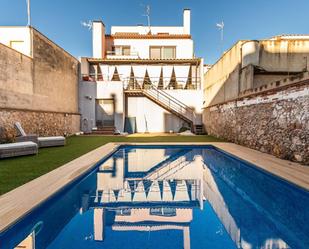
(18, 149)
(40, 141)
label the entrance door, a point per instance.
(105, 112)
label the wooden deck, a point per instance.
(20, 201)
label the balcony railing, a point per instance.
(114, 54)
(164, 83)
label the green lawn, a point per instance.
(17, 171)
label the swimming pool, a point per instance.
(168, 197)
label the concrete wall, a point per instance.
(55, 75)
(221, 81)
(251, 64)
(46, 82)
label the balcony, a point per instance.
(119, 55)
(135, 83)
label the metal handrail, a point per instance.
(132, 53)
(172, 103)
(196, 81)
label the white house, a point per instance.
(141, 79)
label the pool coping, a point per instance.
(17, 203)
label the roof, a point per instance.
(291, 37)
(148, 36)
(144, 61)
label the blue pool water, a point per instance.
(168, 197)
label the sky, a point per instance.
(60, 20)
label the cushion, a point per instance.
(43, 139)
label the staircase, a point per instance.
(199, 129)
(104, 130)
(168, 102)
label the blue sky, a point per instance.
(244, 19)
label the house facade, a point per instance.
(141, 79)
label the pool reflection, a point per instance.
(175, 197)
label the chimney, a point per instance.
(186, 21)
(98, 39)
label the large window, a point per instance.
(162, 52)
(122, 50)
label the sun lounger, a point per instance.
(22, 136)
(40, 141)
(18, 149)
(51, 141)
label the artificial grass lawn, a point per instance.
(19, 170)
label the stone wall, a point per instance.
(275, 122)
(35, 122)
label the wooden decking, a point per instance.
(22, 200)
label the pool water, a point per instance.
(168, 197)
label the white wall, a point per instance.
(157, 118)
(160, 120)
(98, 39)
(87, 95)
(108, 89)
(90, 91)
(143, 30)
(184, 47)
(20, 34)
(192, 98)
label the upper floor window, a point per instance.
(162, 52)
(122, 50)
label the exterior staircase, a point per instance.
(168, 102)
(104, 130)
(199, 129)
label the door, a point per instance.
(105, 109)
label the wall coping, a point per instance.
(273, 88)
(38, 111)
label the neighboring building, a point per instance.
(141, 79)
(257, 95)
(252, 64)
(38, 84)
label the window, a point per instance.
(155, 52)
(169, 53)
(164, 52)
(122, 50)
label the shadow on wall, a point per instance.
(173, 123)
(243, 68)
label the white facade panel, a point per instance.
(143, 30)
(113, 89)
(184, 47)
(150, 117)
(18, 38)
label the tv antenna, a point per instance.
(220, 26)
(28, 13)
(87, 24)
(147, 14)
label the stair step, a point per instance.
(199, 129)
(106, 130)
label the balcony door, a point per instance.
(105, 112)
